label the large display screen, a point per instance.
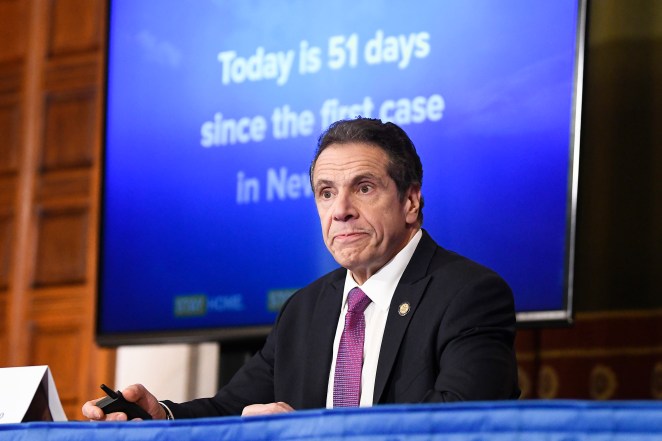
(213, 110)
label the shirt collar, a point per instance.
(381, 285)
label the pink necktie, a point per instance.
(347, 382)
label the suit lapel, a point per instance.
(410, 290)
(320, 343)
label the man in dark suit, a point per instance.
(433, 326)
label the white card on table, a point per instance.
(29, 394)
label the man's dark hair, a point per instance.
(404, 167)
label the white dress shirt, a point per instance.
(380, 288)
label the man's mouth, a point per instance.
(348, 236)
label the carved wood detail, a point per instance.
(61, 248)
(70, 130)
(64, 188)
(74, 27)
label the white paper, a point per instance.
(18, 386)
(54, 404)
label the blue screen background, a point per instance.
(496, 165)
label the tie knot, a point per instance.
(357, 301)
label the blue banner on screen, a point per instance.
(213, 113)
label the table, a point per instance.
(495, 421)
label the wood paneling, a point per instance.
(9, 142)
(9, 152)
(74, 26)
(70, 130)
(5, 254)
(51, 84)
(53, 338)
(61, 248)
(3, 328)
(12, 30)
(70, 187)
(7, 193)
(602, 356)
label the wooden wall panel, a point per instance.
(5, 253)
(12, 49)
(4, 361)
(9, 140)
(61, 248)
(52, 340)
(602, 356)
(70, 129)
(12, 30)
(7, 193)
(59, 188)
(51, 86)
(74, 26)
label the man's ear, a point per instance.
(412, 204)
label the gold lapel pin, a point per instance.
(404, 308)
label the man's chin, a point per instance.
(346, 261)
(353, 261)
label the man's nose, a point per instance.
(343, 208)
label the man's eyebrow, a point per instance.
(365, 177)
(355, 180)
(323, 183)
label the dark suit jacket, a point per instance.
(456, 342)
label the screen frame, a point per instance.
(565, 316)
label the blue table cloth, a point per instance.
(494, 421)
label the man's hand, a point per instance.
(266, 409)
(135, 393)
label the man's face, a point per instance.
(364, 222)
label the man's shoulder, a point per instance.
(333, 277)
(327, 284)
(431, 259)
(450, 278)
